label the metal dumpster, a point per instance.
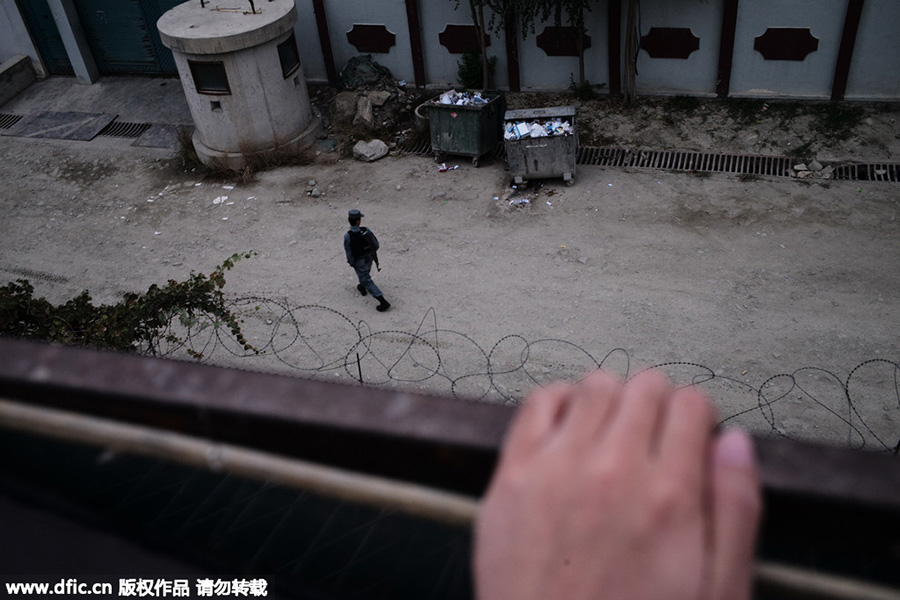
(468, 130)
(541, 157)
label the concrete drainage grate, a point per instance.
(744, 164)
(422, 147)
(31, 274)
(610, 156)
(7, 121)
(122, 129)
(869, 172)
(663, 160)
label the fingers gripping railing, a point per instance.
(122, 402)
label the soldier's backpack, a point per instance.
(360, 242)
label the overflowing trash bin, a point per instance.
(465, 123)
(541, 143)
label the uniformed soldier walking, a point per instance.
(361, 247)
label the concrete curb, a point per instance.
(16, 74)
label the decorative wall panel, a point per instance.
(670, 42)
(371, 38)
(459, 39)
(786, 43)
(561, 41)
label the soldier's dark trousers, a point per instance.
(362, 266)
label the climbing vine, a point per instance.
(154, 322)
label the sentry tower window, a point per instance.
(290, 58)
(209, 77)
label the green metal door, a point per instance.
(153, 10)
(119, 36)
(45, 34)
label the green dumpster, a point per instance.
(466, 129)
(541, 143)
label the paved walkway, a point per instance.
(134, 99)
(62, 108)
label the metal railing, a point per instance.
(426, 456)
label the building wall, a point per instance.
(14, 38)
(390, 14)
(874, 66)
(308, 42)
(695, 74)
(441, 66)
(812, 77)
(541, 71)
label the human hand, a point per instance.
(605, 490)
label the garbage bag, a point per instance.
(362, 70)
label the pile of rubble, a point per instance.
(812, 169)
(368, 109)
(371, 104)
(371, 98)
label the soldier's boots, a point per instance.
(383, 304)
(362, 289)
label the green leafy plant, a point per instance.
(586, 91)
(482, 25)
(470, 72)
(155, 322)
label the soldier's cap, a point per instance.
(355, 214)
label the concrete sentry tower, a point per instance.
(242, 77)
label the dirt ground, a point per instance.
(779, 296)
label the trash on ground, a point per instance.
(362, 70)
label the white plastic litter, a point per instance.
(521, 129)
(462, 98)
